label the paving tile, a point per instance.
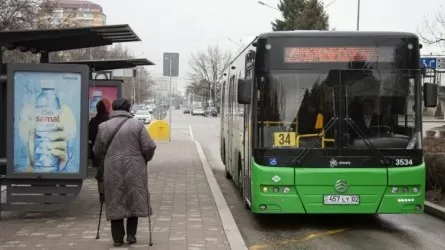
(185, 215)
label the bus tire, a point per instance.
(228, 176)
(223, 153)
(240, 184)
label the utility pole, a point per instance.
(358, 15)
(139, 83)
(170, 101)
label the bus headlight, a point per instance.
(415, 190)
(286, 190)
(395, 190)
(265, 189)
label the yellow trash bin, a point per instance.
(159, 130)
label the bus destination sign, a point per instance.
(335, 54)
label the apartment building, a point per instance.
(78, 13)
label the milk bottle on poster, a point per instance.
(48, 110)
(97, 96)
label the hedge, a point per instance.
(434, 148)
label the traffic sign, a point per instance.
(171, 60)
(440, 64)
(159, 112)
(428, 62)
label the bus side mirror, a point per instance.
(244, 91)
(430, 95)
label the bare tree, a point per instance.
(24, 14)
(434, 29)
(40, 14)
(208, 68)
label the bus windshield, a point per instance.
(375, 105)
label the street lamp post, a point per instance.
(358, 15)
(139, 83)
(267, 5)
(170, 98)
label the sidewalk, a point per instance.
(185, 213)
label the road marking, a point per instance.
(231, 230)
(297, 241)
(191, 133)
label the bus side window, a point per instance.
(223, 98)
(231, 94)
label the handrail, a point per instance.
(323, 139)
(304, 136)
(298, 137)
(275, 122)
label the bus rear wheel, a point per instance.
(228, 176)
(240, 184)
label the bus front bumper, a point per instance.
(284, 190)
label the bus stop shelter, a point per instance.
(47, 194)
(100, 65)
(111, 64)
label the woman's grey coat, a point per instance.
(125, 166)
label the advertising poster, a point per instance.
(106, 93)
(47, 122)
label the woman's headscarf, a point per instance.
(121, 104)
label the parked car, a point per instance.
(211, 111)
(136, 108)
(186, 111)
(150, 109)
(198, 111)
(143, 115)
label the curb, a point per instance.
(231, 230)
(434, 210)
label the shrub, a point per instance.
(434, 148)
(439, 112)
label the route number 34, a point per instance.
(404, 162)
(285, 139)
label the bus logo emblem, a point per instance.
(341, 186)
(333, 163)
(276, 178)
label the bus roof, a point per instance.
(323, 33)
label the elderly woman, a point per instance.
(125, 177)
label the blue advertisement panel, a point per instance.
(48, 122)
(47, 112)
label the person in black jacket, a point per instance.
(101, 116)
(366, 119)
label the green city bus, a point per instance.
(326, 122)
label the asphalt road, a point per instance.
(315, 231)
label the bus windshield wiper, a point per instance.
(353, 125)
(367, 141)
(314, 141)
(325, 129)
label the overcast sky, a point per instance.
(186, 26)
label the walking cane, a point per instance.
(100, 186)
(149, 230)
(150, 243)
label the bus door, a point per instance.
(247, 145)
(232, 113)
